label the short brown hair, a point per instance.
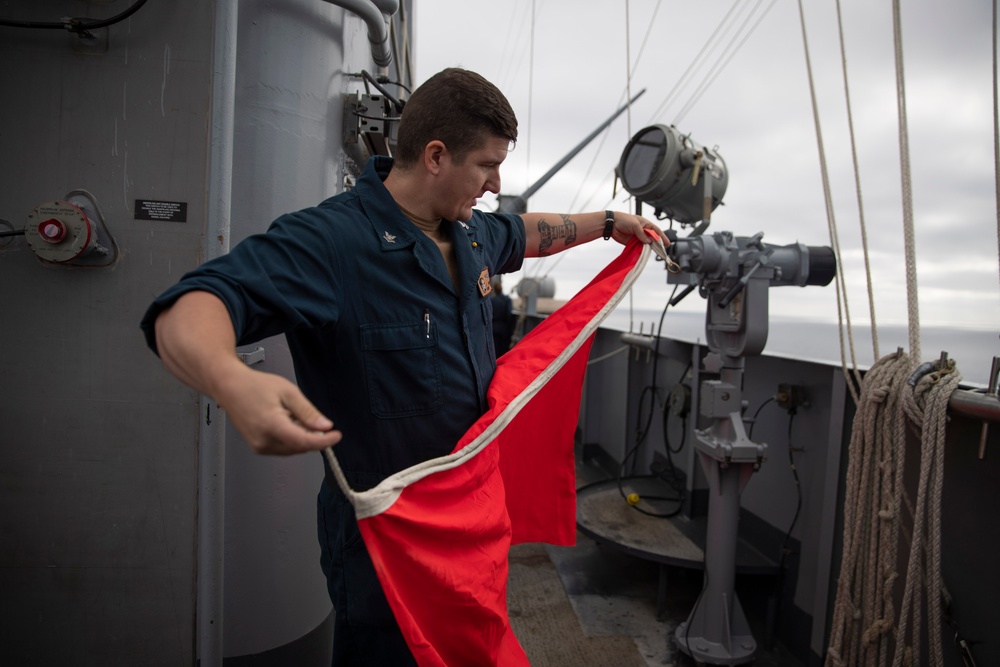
(455, 106)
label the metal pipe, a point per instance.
(533, 188)
(519, 203)
(974, 404)
(211, 423)
(639, 340)
(373, 13)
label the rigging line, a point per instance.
(996, 127)
(728, 54)
(843, 310)
(623, 348)
(628, 122)
(725, 50)
(555, 264)
(912, 302)
(590, 168)
(645, 40)
(509, 66)
(628, 65)
(537, 267)
(689, 71)
(505, 63)
(624, 96)
(857, 185)
(531, 90)
(404, 63)
(610, 200)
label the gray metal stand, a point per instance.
(717, 631)
(734, 274)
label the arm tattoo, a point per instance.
(549, 234)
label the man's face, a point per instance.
(465, 181)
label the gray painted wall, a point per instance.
(98, 475)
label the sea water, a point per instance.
(818, 341)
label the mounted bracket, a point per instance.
(71, 232)
(368, 127)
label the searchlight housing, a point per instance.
(681, 179)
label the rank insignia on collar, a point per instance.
(389, 237)
(485, 287)
(464, 226)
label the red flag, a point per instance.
(439, 533)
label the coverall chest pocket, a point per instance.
(402, 368)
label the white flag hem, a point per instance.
(378, 499)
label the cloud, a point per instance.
(758, 111)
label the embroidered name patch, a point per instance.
(485, 287)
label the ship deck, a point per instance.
(600, 603)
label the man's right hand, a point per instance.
(273, 415)
(196, 341)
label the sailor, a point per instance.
(383, 293)
(504, 318)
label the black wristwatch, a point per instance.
(609, 224)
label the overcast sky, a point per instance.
(758, 112)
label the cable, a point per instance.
(641, 437)
(791, 463)
(666, 434)
(694, 62)
(798, 491)
(77, 25)
(679, 500)
(721, 64)
(697, 602)
(671, 475)
(625, 95)
(753, 420)
(378, 85)
(358, 114)
(623, 348)
(656, 361)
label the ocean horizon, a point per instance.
(818, 341)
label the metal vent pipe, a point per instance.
(374, 13)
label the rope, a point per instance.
(597, 153)
(863, 604)
(531, 91)
(857, 187)
(628, 70)
(628, 122)
(865, 629)
(724, 59)
(996, 127)
(927, 408)
(912, 305)
(843, 310)
(623, 348)
(694, 65)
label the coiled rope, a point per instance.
(866, 629)
(863, 605)
(896, 399)
(927, 408)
